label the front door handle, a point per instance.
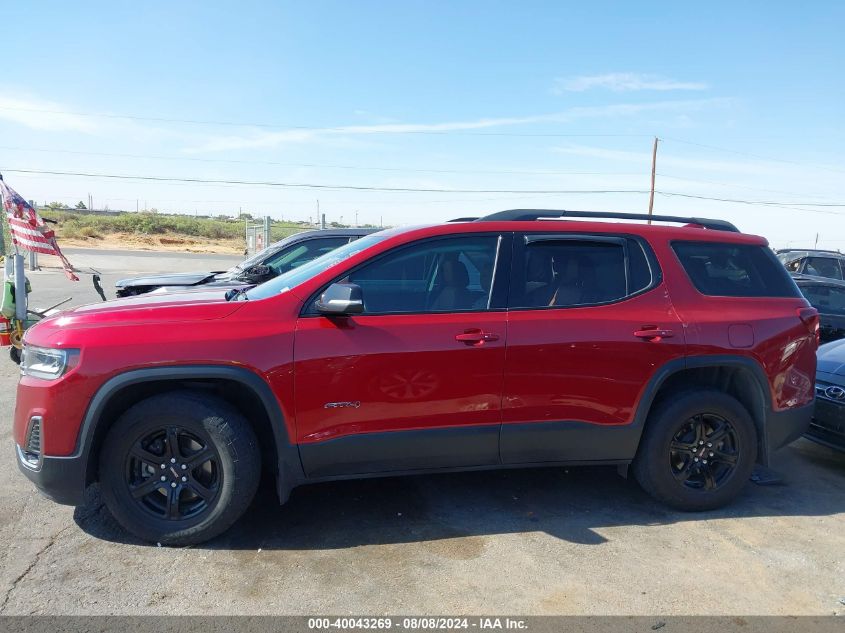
(476, 337)
(653, 334)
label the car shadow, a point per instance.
(573, 504)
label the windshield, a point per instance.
(300, 274)
(255, 259)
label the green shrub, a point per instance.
(76, 225)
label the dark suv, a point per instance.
(272, 261)
(828, 297)
(520, 339)
(830, 264)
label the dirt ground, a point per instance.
(166, 242)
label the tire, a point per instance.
(205, 486)
(15, 355)
(675, 455)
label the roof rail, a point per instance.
(537, 214)
(466, 219)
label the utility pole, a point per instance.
(653, 170)
(817, 241)
(356, 219)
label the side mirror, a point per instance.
(340, 300)
(259, 271)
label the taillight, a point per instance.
(810, 318)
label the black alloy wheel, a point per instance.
(179, 468)
(704, 452)
(697, 450)
(173, 474)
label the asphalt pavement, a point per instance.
(49, 285)
(539, 541)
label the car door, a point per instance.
(588, 324)
(415, 382)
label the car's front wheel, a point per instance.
(179, 468)
(697, 451)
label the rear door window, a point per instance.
(573, 271)
(734, 270)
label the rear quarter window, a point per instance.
(734, 270)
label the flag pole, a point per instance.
(3, 226)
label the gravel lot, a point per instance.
(554, 541)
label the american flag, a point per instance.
(28, 229)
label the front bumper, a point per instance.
(61, 479)
(828, 425)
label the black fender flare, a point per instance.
(715, 360)
(289, 465)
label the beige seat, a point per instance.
(451, 292)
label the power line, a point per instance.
(760, 202)
(779, 205)
(397, 169)
(736, 186)
(322, 165)
(303, 201)
(417, 189)
(346, 128)
(372, 129)
(269, 183)
(752, 155)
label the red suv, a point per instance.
(520, 339)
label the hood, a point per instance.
(147, 308)
(831, 358)
(211, 286)
(169, 279)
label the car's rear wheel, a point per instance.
(697, 451)
(179, 468)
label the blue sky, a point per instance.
(747, 98)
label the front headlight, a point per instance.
(42, 362)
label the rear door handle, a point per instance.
(476, 337)
(653, 334)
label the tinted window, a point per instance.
(449, 275)
(823, 267)
(570, 272)
(734, 270)
(296, 255)
(827, 299)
